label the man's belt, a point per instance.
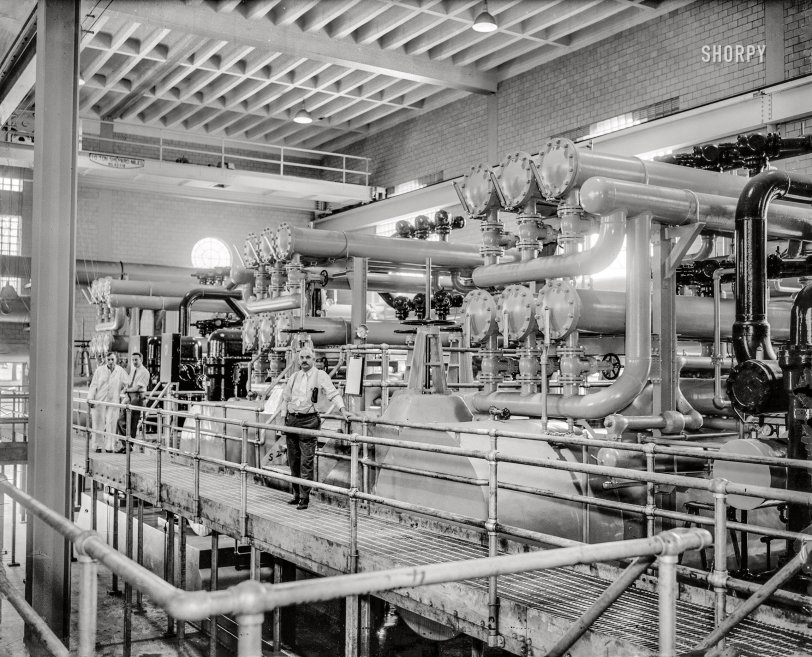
(302, 414)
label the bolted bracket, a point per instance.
(684, 236)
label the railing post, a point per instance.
(249, 635)
(114, 590)
(343, 168)
(197, 469)
(128, 543)
(158, 453)
(139, 553)
(667, 591)
(244, 484)
(13, 563)
(180, 576)
(492, 527)
(169, 564)
(88, 597)
(215, 557)
(719, 574)
(650, 499)
(352, 615)
(365, 457)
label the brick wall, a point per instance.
(647, 64)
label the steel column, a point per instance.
(52, 275)
(88, 600)
(215, 558)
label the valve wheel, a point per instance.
(614, 367)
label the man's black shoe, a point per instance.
(301, 505)
(295, 500)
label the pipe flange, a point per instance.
(517, 308)
(558, 164)
(283, 242)
(265, 332)
(562, 299)
(479, 310)
(282, 334)
(478, 190)
(267, 246)
(516, 180)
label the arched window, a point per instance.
(210, 252)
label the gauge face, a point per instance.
(516, 307)
(516, 179)
(480, 313)
(478, 189)
(362, 331)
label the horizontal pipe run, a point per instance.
(682, 206)
(274, 304)
(591, 261)
(159, 288)
(164, 303)
(255, 597)
(311, 242)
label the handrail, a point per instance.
(249, 600)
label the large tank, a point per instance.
(516, 508)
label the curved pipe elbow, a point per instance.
(593, 260)
(229, 296)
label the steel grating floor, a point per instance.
(560, 592)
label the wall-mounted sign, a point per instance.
(116, 161)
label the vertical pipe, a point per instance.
(128, 546)
(213, 623)
(249, 635)
(365, 633)
(139, 553)
(667, 592)
(158, 452)
(277, 612)
(88, 597)
(114, 590)
(492, 526)
(650, 491)
(180, 575)
(13, 563)
(196, 501)
(719, 552)
(94, 511)
(352, 615)
(244, 484)
(365, 454)
(169, 564)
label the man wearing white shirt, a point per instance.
(133, 394)
(299, 403)
(106, 386)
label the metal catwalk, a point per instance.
(532, 603)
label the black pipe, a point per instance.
(751, 329)
(196, 293)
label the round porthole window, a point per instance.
(210, 252)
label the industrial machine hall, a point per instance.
(406, 328)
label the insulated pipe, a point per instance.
(590, 261)
(379, 282)
(682, 206)
(310, 242)
(193, 295)
(274, 304)
(164, 303)
(88, 270)
(751, 329)
(151, 288)
(564, 167)
(638, 348)
(604, 311)
(700, 394)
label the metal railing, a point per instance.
(361, 462)
(174, 146)
(249, 600)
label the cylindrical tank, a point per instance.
(754, 474)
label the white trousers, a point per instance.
(104, 419)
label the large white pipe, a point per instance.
(681, 206)
(335, 244)
(564, 167)
(150, 288)
(164, 303)
(274, 304)
(591, 261)
(634, 377)
(603, 311)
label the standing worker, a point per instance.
(299, 401)
(134, 394)
(106, 386)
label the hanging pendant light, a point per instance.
(485, 22)
(302, 116)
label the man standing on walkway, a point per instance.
(133, 394)
(106, 386)
(299, 401)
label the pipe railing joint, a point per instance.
(677, 541)
(718, 579)
(718, 486)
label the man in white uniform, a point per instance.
(106, 386)
(299, 403)
(133, 393)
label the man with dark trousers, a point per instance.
(299, 402)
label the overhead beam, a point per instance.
(235, 28)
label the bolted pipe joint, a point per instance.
(81, 542)
(616, 424)
(717, 579)
(679, 540)
(718, 486)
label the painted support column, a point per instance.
(53, 269)
(359, 293)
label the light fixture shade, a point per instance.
(302, 116)
(484, 22)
